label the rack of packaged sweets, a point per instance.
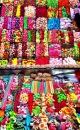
(39, 33)
(35, 101)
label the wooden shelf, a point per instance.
(38, 67)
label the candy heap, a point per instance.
(35, 32)
(40, 104)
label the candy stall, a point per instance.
(39, 65)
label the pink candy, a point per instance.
(55, 61)
(55, 51)
(21, 23)
(25, 33)
(31, 23)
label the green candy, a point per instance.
(50, 102)
(29, 36)
(36, 111)
(37, 96)
(64, 12)
(26, 85)
(37, 37)
(25, 22)
(76, 49)
(1, 118)
(52, 3)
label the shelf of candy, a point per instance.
(26, 34)
(41, 103)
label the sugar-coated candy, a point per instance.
(65, 23)
(41, 23)
(69, 61)
(55, 61)
(76, 36)
(30, 11)
(73, 3)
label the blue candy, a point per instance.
(53, 23)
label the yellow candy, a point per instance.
(14, 61)
(18, 11)
(73, 96)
